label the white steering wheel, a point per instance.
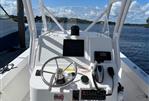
(59, 72)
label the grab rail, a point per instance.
(33, 33)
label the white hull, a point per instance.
(15, 84)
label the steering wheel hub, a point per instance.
(60, 78)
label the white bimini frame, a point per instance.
(45, 12)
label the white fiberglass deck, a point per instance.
(136, 82)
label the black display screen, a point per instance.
(74, 48)
(101, 56)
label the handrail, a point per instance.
(106, 24)
(45, 27)
(95, 21)
(33, 34)
(117, 30)
(54, 19)
(99, 17)
(45, 11)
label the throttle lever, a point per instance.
(99, 73)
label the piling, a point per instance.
(21, 24)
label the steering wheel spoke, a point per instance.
(48, 72)
(68, 66)
(56, 62)
(54, 82)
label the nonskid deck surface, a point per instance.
(27, 97)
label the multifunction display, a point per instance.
(73, 48)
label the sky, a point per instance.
(58, 3)
(87, 9)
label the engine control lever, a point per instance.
(98, 73)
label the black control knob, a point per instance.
(85, 79)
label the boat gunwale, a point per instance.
(136, 69)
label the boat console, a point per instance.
(74, 67)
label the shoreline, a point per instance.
(76, 20)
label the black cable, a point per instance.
(93, 76)
(110, 72)
(111, 89)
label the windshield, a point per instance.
(70, 12)
(85, 9)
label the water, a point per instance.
(134, 42)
